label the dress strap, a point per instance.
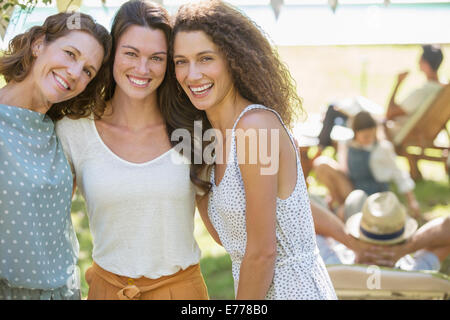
(259, 106)
(248, 108)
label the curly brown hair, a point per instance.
(145, 14)
(254, 65)
(17, 61)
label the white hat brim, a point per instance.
(353, 223)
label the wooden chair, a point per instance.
(415, 140)
(363, 282)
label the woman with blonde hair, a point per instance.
(50, 71)
(231, 79)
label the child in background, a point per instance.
(365, 163)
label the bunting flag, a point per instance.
(276, 7)
(74, 5)
(333, 4)
(68, 5)
(3, 22)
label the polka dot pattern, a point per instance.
(38, 246)
(299, 270)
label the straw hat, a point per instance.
(383, 220)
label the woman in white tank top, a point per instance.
(232, 80)
(140, 201)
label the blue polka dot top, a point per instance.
(38, 246)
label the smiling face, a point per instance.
(64, 67)
(140, 62)
(201, 70)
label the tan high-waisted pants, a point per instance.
(186, 284)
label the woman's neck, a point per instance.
(24, 95)
(223, 115)
(132, 113)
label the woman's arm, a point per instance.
(202, 206)
(328, 224)
(63, 129)
(257, 267)
(434, 234)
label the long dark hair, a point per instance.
(17, 61)
(145, 14)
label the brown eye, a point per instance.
(156, 58)
(206, 59)
(89, 73)
(179, 62)
(69, 53)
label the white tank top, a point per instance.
(141, 216)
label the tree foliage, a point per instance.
(7, 5)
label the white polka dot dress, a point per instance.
(38, 246)
(299, 270)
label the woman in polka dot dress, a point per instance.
(258, 207)
(49, 72)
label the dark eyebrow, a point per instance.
(137, 50)
(94, 69)
(198, 54)
(130, 47)
(206, 51)
(79, 53)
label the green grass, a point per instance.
(218, 278)
(215, 264)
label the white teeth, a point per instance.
(138, 82)
(202, 88)
(61, 81)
